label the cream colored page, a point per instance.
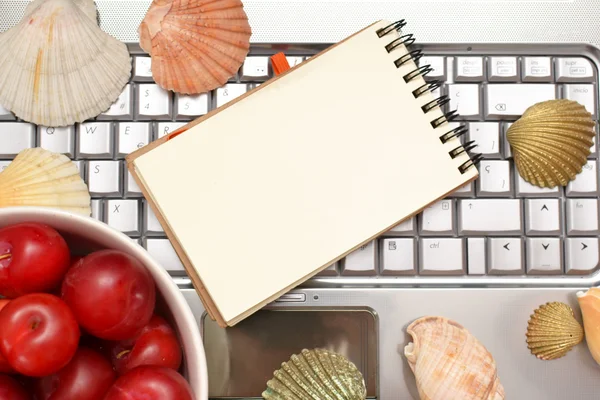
(283, 182)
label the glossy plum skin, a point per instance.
(10, 389)
(156, 345)
(150, 383)
(33, 258)
(88, 376)
(39, 334)
(4, 365)
(111, 294)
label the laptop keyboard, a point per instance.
(498, 226)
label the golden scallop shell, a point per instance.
(38, 177)
(551, 142)
(195, 45)
(316, 374)
(553, 331)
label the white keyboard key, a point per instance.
(468, 69)
(476, 256)
(537, 69)
(131, 187)
(229, 92)
(582, 217)
(154, 102)
(121, 108)
(442, 256)
(80, 164)
(487, 137)
(142, 69)
(438, 64)
(586, 182)
(574, 69)
(15, 137)
(407, 227)
(511, 100)
(188, 106)
(542, 216)
(58, 140)
(506, 145)
(582, 255)
(494, 178)
(361, 261)
(526, 189)
(4, 164)
(438, 218)
(151, 225)
(255, 68)
(329, 271)
(163, 252)
(505, 256)
(505, 69)
(293, 61)
(464, 98)
(97, 209)
(398, 256)
(489, 216)
(95, 140)
(5, 114)
(544, 256)
(103, 178)
(463, 191)
(131, 137)
(165, 128)
(123, 215)
(583, 94)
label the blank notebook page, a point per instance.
(277, 186)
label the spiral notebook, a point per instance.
(263, 193)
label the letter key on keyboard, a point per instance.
(487, 137)
(103, 178)
(15, 137)
(505, 256)
(398, 256)
(494, 178)
(131, 187)
(582, 255)
(95, 140)
(132, 136)
(361, 261)
(464, 98)
(544, 256)
(164, 253)
(543, 216)
(438, 218)
(58, 140)
(120, 109)
(151, 225)
(511, 100)
(489, 217)
(442, 256)
(154, 102)
(123, 215)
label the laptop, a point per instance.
(486, 277)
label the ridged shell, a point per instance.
(450, 363)
(87, 6)
(551, 142)
(316, 374)
(57, 67)
(195, 45)
(38, 177)
(553, 331)
(589, 302)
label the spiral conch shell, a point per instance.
(553, 331)
(449, 363)
(589, 302)
(316, 374)
(551, 142)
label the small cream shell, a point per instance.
(589, 302)
(38, 177)
(550, 143)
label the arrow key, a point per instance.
(544, 256)
(583, 255)
(505, 256)
(542, 216)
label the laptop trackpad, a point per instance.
(243, 358)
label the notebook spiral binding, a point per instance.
(422, 70)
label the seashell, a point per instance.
(450, 363)
(589, 302)
(316, 374)
(195, 45)
(87, 6)
(57, 67)
(552, 331)
(551, 141)
(38, 177)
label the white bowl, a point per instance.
(88, 234)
